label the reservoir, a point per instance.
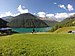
(26, 30)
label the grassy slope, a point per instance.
(64, 29)
(38, 45)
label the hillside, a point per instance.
(68, 22)
(49, 21)
(64, 29)
(8, 18)
(26, 20)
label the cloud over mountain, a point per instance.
(19, 9)
(49, 15)
(22, 10)
(41, 14)
(6, 14)
(61, 16)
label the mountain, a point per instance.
(8, 18)
(49, 21)
(68, 22)
(3, 23)
(27, 20)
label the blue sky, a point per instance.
(42, 8)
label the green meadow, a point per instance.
(37, 45)
(65, 29)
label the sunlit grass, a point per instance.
(65, 29)
(37, 45)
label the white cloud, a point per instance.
(71, 14)
(62, 6)
(55, 3)
(22, 10)
(61, 15)
(57, 16)
(34, 13)
(41, 14)
(70, 7)
(5, 14)
(16, 14)
(50, 15)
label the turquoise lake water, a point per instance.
(24, 30)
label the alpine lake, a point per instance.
(27, 30)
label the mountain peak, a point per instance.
(27, 20)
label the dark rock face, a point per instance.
(26, 21)
(3, 23)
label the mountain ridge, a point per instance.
(26, 20)
(49, 21)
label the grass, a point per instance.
(37, 45)
(65, 29)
